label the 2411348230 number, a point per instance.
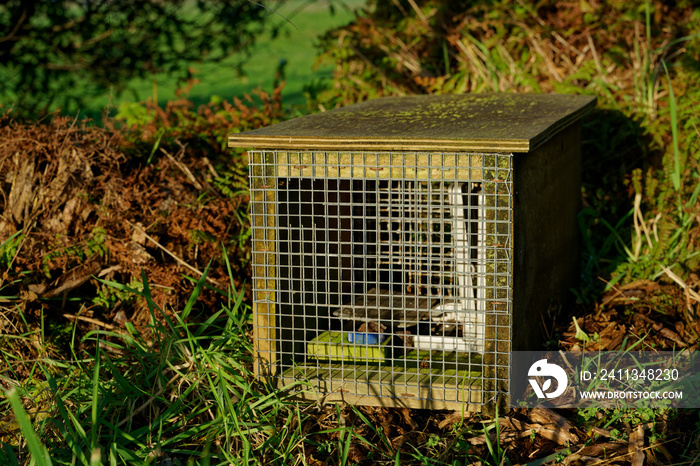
(649, 374)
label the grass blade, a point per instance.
(73, 438)
(676, 173)
(38, 451)
(95, 399)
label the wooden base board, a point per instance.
(440, 387)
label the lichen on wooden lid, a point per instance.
(466, 122)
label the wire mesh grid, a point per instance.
(383, 275)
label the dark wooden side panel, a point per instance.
(547, 197)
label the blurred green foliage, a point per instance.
(62, 52)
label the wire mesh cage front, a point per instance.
(383, 276)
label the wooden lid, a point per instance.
(466, 122)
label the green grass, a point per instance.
(296, 45)
(181, 390)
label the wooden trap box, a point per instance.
(404, 246)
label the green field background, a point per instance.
(296, 44)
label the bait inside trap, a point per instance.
(403, 247)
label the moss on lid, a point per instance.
(467, 122)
